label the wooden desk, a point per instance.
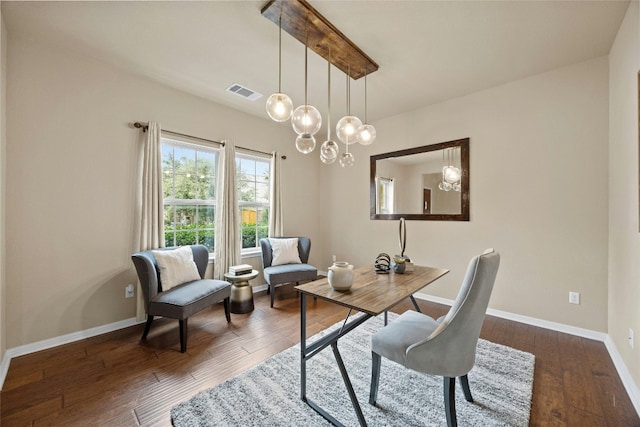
(371, 294)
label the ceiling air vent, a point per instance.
(244, 92)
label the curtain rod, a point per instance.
(145, 126)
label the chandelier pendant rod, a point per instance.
(365, 96)
(306, 50)
(329, 97)
(280, 54)
(348, 91)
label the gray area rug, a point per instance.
(269, 394)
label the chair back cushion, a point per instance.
(284, 251)
(176, 267)
(304, 248)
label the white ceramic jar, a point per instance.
(341, 275)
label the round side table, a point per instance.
(241, 292)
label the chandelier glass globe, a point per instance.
(366, 134)
(451, 174)
(347, 160)
(444, 186)
(305, 143)
(279, 107)
(306, 119)
(329, 150)
(347, 129)
(326, 160)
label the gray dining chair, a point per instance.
(446, 346)
(287, 273)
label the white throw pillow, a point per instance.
(285, 251)
(176, 267)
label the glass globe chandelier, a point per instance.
(279, 105)
(308, 26)
(366, 132)
(347, 127)
(346, 159)
(305, 143)
(329, 149)
(451, 175)
(306, 119)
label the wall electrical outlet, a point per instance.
(334, 258)
(631, 337)
(129, 291)
(574, 297)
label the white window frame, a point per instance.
(385, 189)
(171, 140)
(176, 202)
(258, 205)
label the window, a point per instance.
(189, 174)
(385, 195)
(188, 184)
(252, 175)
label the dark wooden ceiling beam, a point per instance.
(305, 23)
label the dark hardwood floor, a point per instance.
(113, 380)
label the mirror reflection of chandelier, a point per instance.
(451, 175)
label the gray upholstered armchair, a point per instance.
(276, 273)
(184, 299)
(446, 346)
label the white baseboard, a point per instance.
(623, 372)
(625, 375)
(56, 341)
(554, 326)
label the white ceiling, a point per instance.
(428, 51)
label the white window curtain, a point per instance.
(276, 226)
(228, 244)
(149, 200)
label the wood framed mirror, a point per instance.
(411, 183)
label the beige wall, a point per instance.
(624, 237)
(70, 169)
(538, 194)
(3, 151)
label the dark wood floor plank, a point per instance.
(580, 418)
(31, 413)
(579, 389)
(523, 337)
(548, 406)
(547, 403)
(115, 380)
(610, 391)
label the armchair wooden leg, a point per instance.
(450, 401)
(226, 309)
(464, 382)
(183, 335)
(147, 327)
(272, 291)
(375, 377)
